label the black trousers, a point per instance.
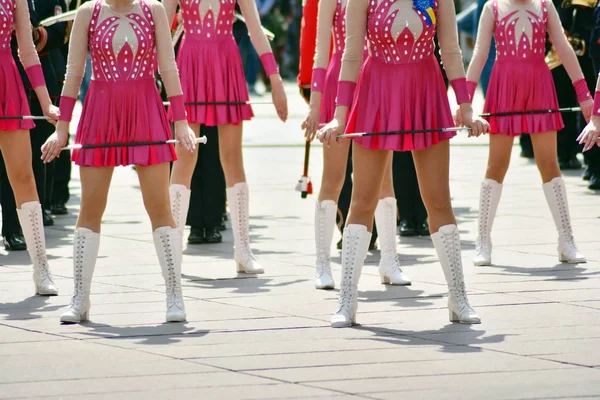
(207, 201)
(43, 173)
(592, 156)
(62, 176)
(567, 97)
(406, 187)
(10, 221)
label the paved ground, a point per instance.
(268, 337)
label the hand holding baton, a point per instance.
(201, 140)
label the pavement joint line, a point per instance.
(342, 365)
(76, 335)
(117, 376)
(428, 375)
(34, 331)
(291, 353)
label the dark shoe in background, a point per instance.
(196, 236)
(594, 183)
(407, 228)
(59, 209)
(14, 242)
(212, 235)
(423, 228)
(47, 219)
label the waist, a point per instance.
(207, 39)
(125, 84)
(535, 59)
(384, 62)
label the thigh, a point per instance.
(368, 172)
(16, 150)
(154, 183)
(545, 149)
(230, 140)
(95, 183)
(432, 165)
(335, 158)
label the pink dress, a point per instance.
(400, 85)
(521, 80)
(520, 61)
(13, 101)
(123, 104)
(209, 59)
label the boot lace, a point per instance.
(345, 300)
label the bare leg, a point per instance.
(154, 182)
(16, 149)
(544, 146)
(95, 183)
(369, 168)
(432, 166)
(335, 160)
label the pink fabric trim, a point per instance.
(36, 76)
(67, 104)
(596, 111)
(471, 87)
(269, 64)
(345, 93)
(318, 79)
(177, 108)
(581, 88)
(460, 90)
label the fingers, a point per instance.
(50, 150)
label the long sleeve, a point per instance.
(170, 8)
(27, 53)
(167, 66)
(356, 30)
(481, 52)
(447, 33)
(257, 37)
(308, 33)
(78, 47)
(324, 27)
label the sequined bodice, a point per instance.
(339, 26)
(7, 11)
(208, 19)
(398, 33)
(122, 46)
(520, 30)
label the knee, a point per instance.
(547, 164)
(333, 181)
(438, 205)
(158, 210)
(363, 205)
(22, 177)
(229, 158)
(91, 213)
